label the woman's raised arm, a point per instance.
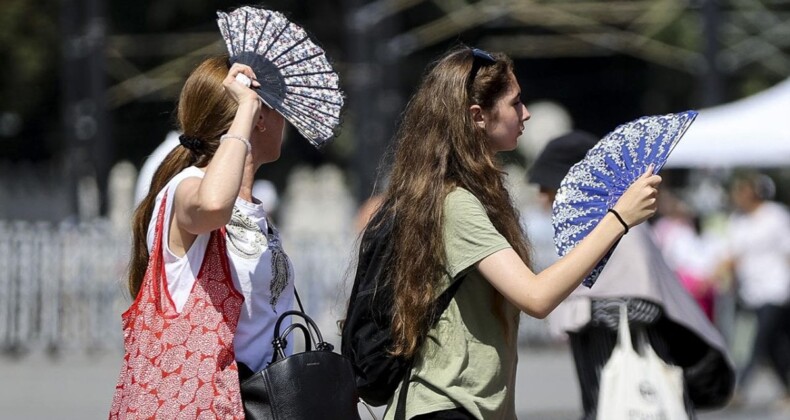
(203, 205)
(538, 294)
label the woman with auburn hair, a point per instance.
(208, 275)
(454, 219)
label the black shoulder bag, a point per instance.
(314, 384)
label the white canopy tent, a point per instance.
(754, 131)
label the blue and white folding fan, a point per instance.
(295, 76)
(594, 184)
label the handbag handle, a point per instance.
(309, 321)
(280, 341)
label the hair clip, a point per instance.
(483, 54)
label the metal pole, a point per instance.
(86, 153)
(712, 84)
(372, 88)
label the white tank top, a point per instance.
(261, 271)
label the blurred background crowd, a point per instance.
(87, 91)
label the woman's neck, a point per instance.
(247, 179)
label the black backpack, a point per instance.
(365, 337)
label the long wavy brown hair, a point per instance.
(438, 148)
(204, 111)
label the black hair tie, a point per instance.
(622, 222)
(190, 142)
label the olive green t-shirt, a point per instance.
(467, 360)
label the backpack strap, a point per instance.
(400, 409)
(442, 303)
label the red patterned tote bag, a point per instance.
(181, 365)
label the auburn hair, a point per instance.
(204, 111)
(438, 148)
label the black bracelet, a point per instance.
(617, 215)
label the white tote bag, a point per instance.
(635, 386)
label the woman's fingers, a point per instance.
(653, 180)
(239, 80)
(648, 181)
(650, 200)
(640, 200)
(649, 189)
(651, 185)
(245, 70)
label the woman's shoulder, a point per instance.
(171, 185)
(461, 196)
(776, 209)
(188, 172)
(463, 206)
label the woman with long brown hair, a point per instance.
(453, 220)
(207, 273)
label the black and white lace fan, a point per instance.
(295, 76)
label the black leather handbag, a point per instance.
(315, 384)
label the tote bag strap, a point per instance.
(623, 331)
(156, 260)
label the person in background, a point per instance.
(658, 306)
(759, 257)
(454, 219)
(686, 250)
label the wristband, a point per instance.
(239, 138)
(622, 222)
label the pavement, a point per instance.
(80, 386)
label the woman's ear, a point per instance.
(477, 116)
(260, 125)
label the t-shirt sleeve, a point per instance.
(469, 235)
